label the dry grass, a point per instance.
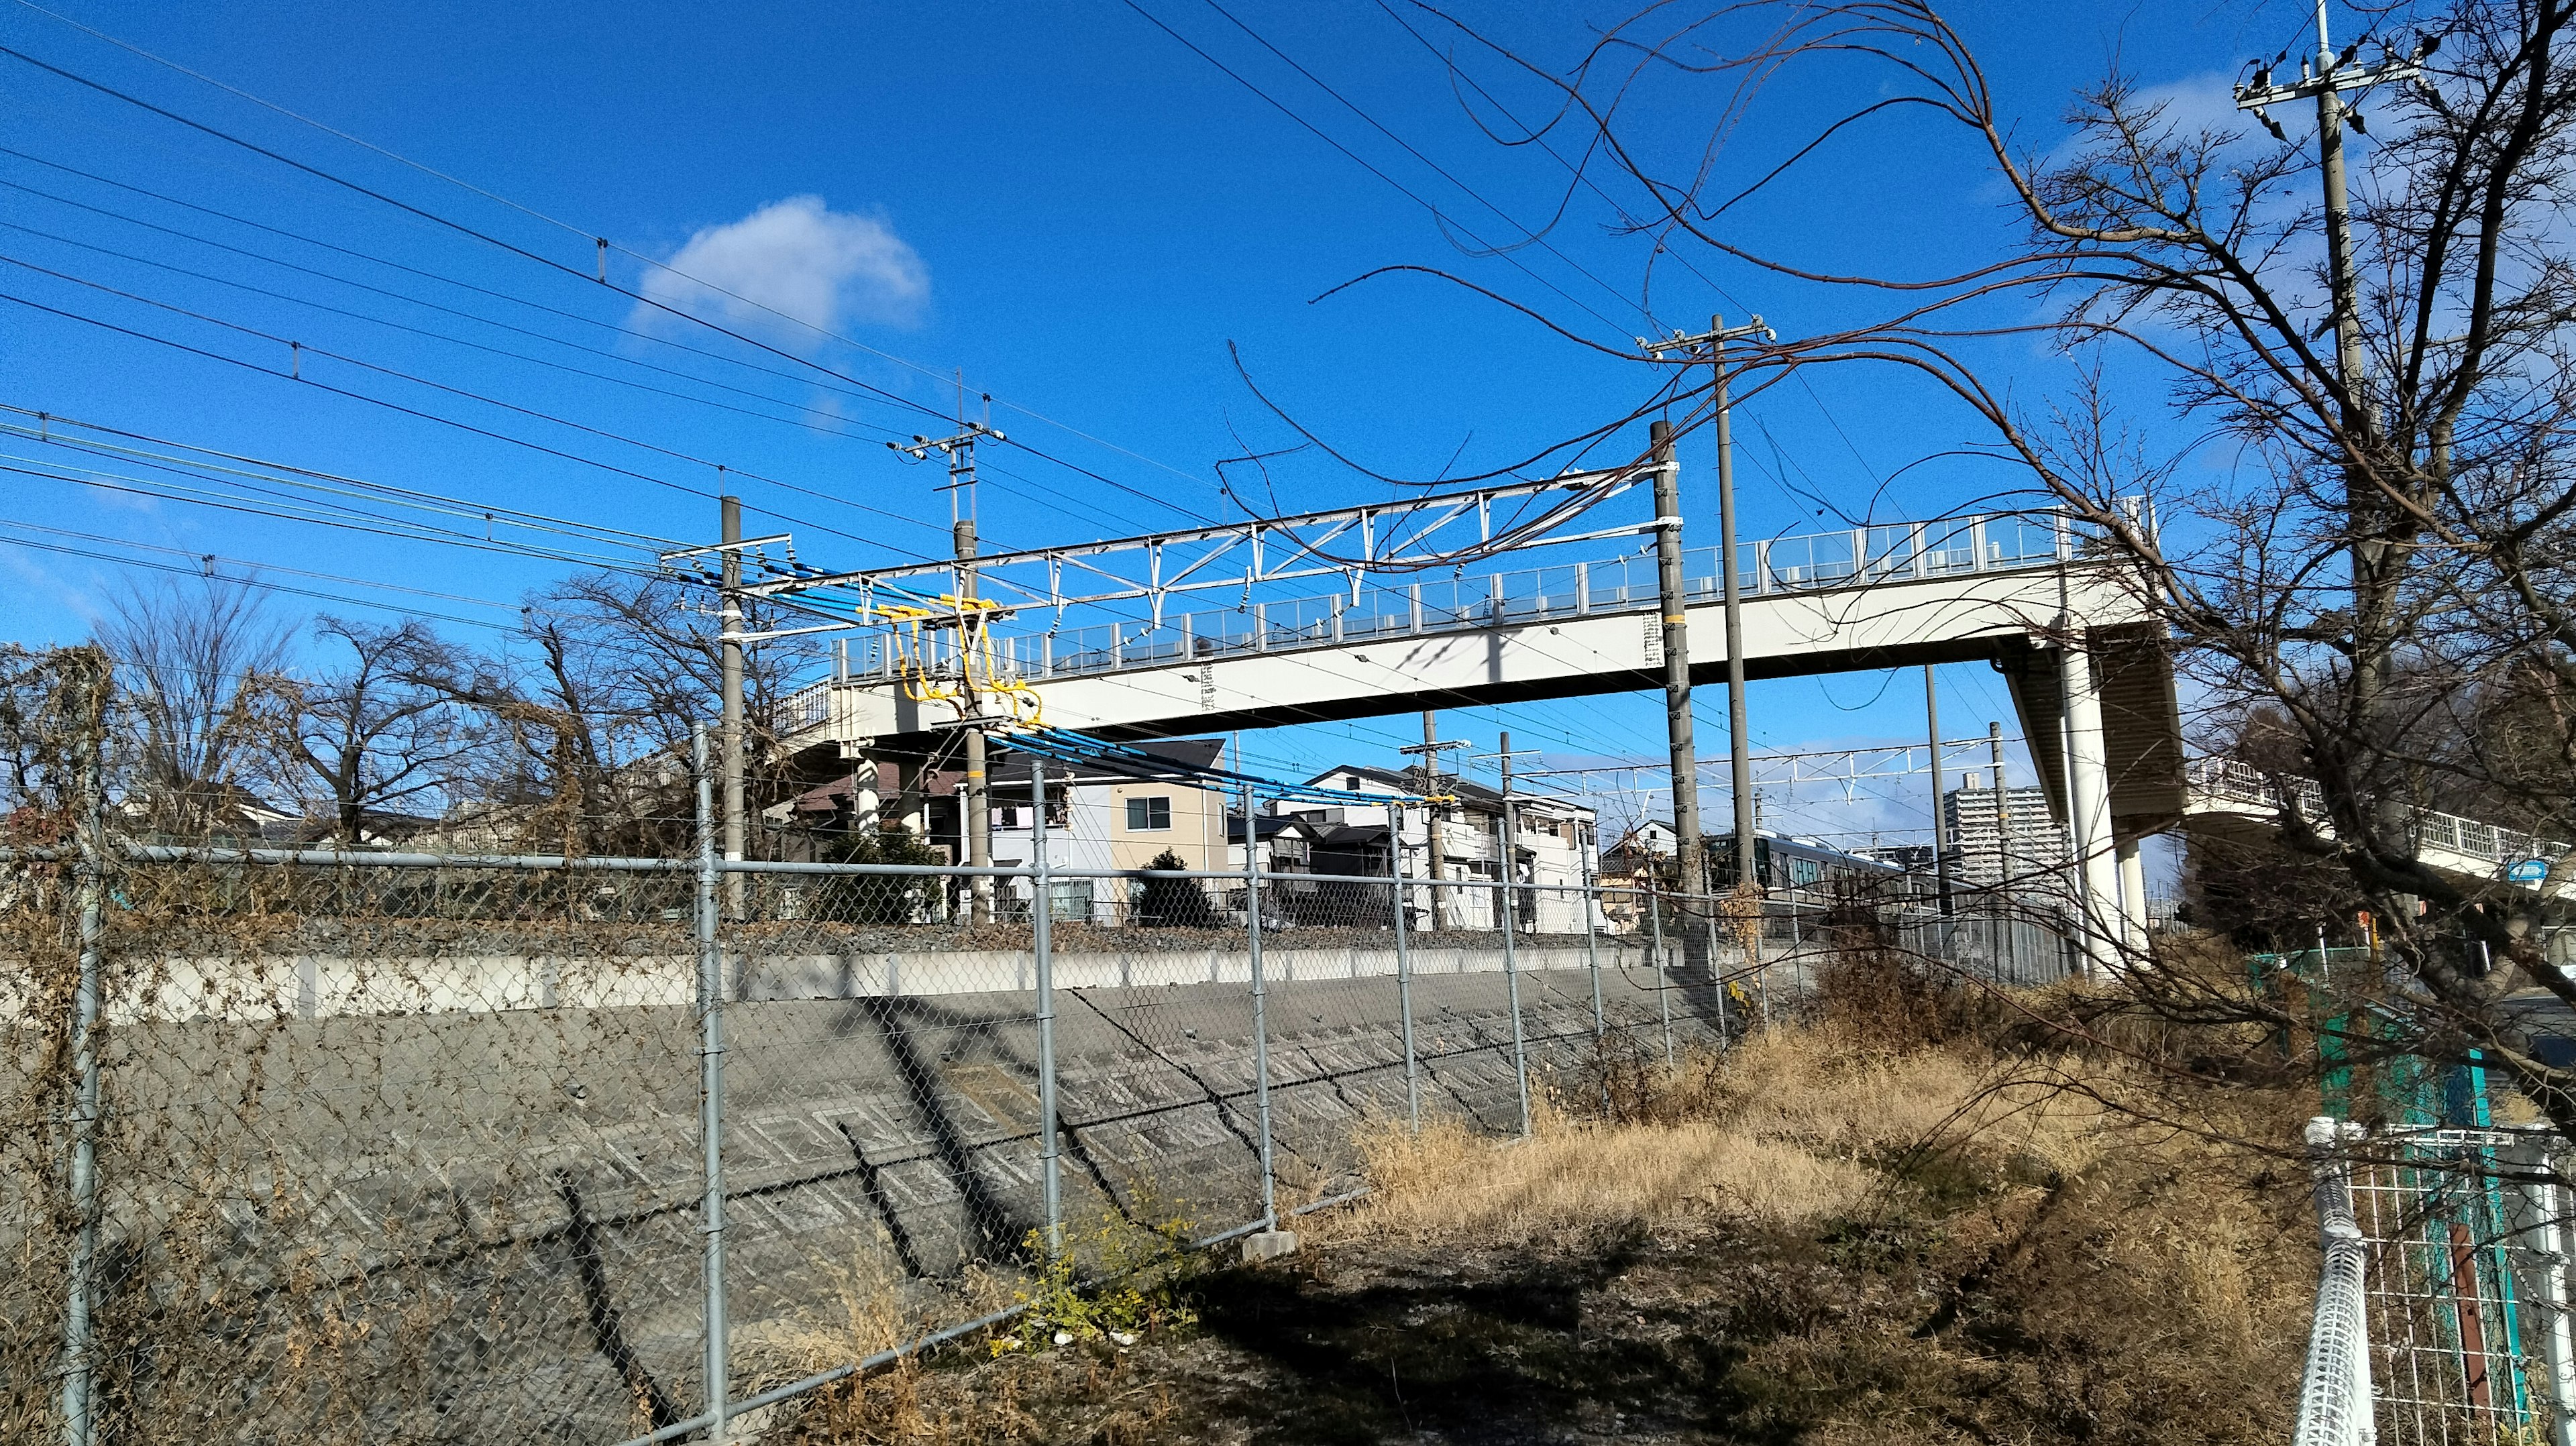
(1785, 1132)
(1904, 1222)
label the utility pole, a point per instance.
(1710, 346)
(730, 645)
(1675, 604)
(1932, 717)
(959, 450)
(2326, 78)
(1430, 750)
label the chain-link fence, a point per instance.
(2442, 1309)
(428, 1147)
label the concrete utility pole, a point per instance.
(1710, 346)
(2326, 78)
(1932, 718)
(1677, 685)
(1429, 750)
(735, 826)
(977, 802)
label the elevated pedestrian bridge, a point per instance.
(2071, 627)
(1850, 599)
(2229, 797)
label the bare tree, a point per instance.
(375, 731)
(193, 660)
(2383, 576)
(592, 705)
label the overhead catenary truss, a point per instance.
(1438, 530)
(1846, 767)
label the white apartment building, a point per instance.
(2031, 837)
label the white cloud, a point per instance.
(2195, 103)
(799, 258)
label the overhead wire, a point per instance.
(1531, 236)
(632, 333)
(1357, 159)
(485, 347)
(50, 425)
(297, 349)
(61, 548)
(570, 271)
(210, 558)
(1055, 501)
(180, 492)
(639, 297)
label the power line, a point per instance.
(48, 423)
(209, 559)
(1472, 193)
(423, 273)
(601, 241)
(484, 347)
(1356, 158)
(456, 226)
(407, 532)
(297, 349)
(56, 547)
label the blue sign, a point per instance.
(2527, 871)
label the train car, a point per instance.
(1782, 862)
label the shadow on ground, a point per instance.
(1610, 1341)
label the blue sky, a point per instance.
(1062, 201)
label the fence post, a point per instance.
(1511, 915)
(1716, 977)
(79, 1425)
(1663, 974)
(711, 1094)
(2550, 1229)
(2334, 1389)
(1042, 943)
(1404, 964)
(1260, 1010)
(1512, 982)
(1588, 896)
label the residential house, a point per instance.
(1644, 859)
(1557, 846)
(1097, 819)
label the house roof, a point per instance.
(378, 824)
(1265, 826)
(1009, 774)
(1467, 791)
(1185, 753)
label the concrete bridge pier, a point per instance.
(2089, 812)
(2133, 891)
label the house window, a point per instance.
(1352, 783)
(1149, 815)
(1010, 818)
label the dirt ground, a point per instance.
(1822, 1239)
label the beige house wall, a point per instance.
(1197, 833)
